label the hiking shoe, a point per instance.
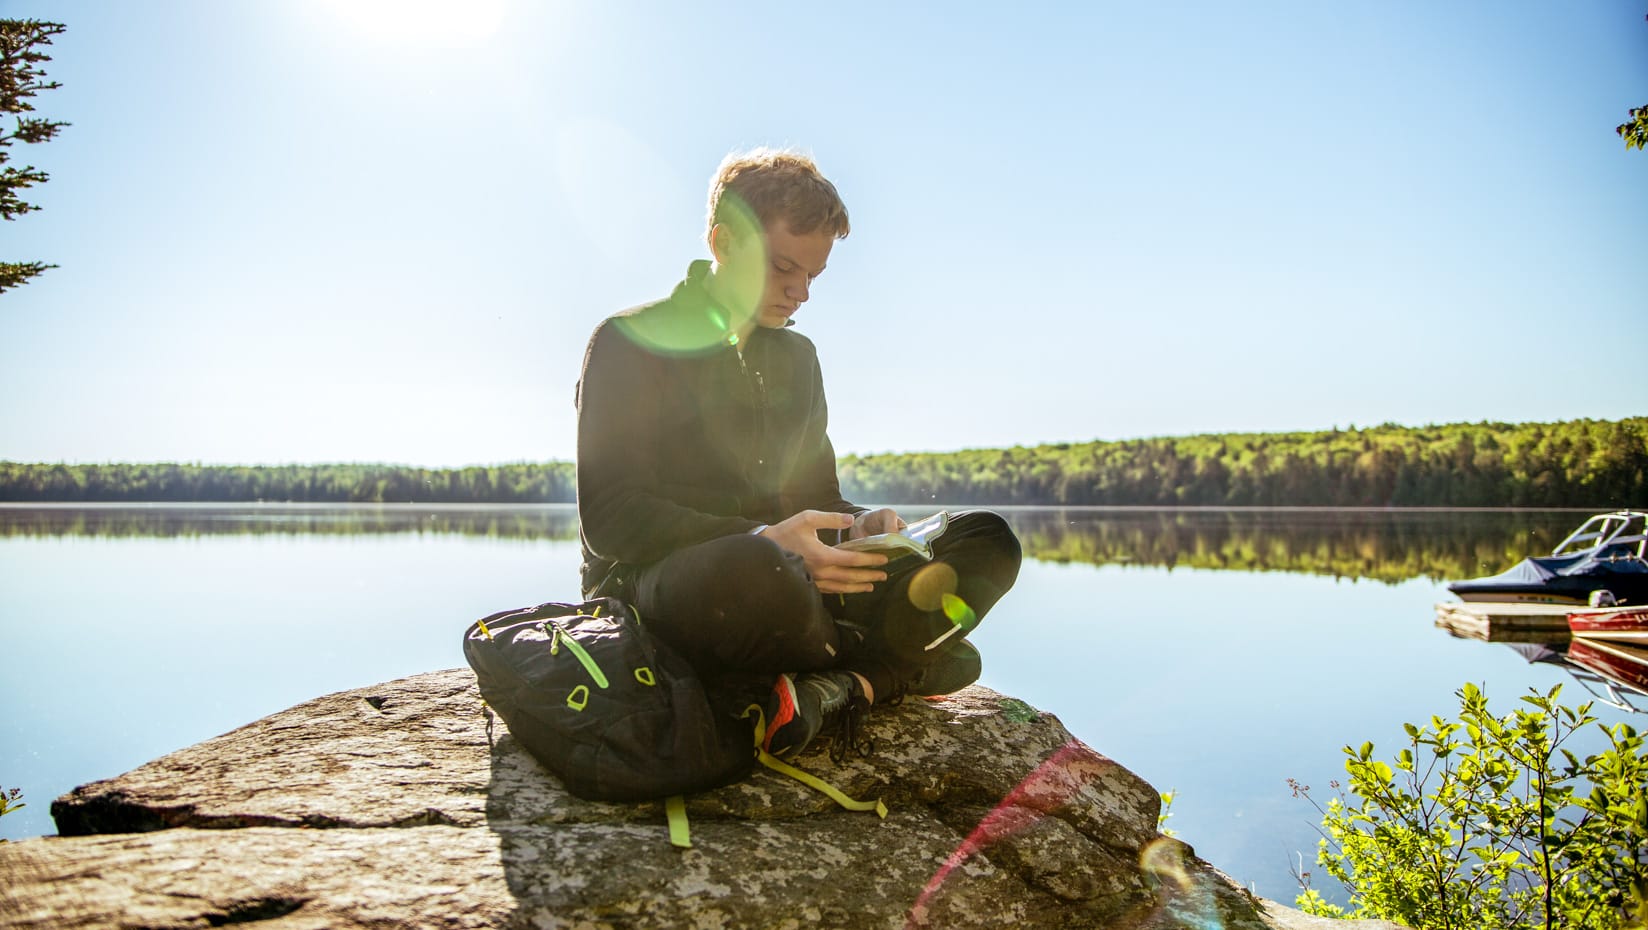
(954, 666)
(806, 705)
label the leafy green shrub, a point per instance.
(1490, 822)
(1166, 812)
(10, 801)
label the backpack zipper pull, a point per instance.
(559, 637)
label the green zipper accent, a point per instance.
(583, 658)
(579, 698)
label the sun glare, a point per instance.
(421, 22)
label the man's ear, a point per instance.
(722, 242)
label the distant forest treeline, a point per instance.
(1579, 463)
(523, 483)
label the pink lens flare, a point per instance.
(1053, 783)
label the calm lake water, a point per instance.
(1216, 653)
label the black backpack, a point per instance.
(615, 713)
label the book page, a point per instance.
(916, 538)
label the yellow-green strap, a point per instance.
(675, 808)
(812, 781)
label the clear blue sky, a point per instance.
(326, 231)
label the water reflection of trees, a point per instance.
(1387, 545)
(524, 522)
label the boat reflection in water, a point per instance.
(1614, 673)
(1602, 563)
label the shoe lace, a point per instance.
(901, 690)
(849, 737)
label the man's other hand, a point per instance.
(871, 522)
(834, 571)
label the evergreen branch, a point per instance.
(14, 273)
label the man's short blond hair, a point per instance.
(778, 184)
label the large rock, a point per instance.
(392, 807)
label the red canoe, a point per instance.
(1625, 624)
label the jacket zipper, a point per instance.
(760, 388)
(760, 384)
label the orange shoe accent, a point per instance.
(786, 712)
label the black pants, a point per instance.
(742, 609)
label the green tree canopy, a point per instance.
(1635, 130)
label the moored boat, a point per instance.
(1604, 561)
(1620, 624)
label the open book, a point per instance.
(915, 539)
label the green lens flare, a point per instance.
(736, 287)
(959, 613)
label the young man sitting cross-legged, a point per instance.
(707, 489)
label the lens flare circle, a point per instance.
(735, 289)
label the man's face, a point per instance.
(791, 263)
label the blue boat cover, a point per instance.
(1581, 572)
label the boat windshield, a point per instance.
(1621, 535)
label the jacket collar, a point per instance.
(694, 290)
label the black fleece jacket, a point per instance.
(681, 439)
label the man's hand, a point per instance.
(834, 571)
(871, 522)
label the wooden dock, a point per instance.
(1505, 623)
